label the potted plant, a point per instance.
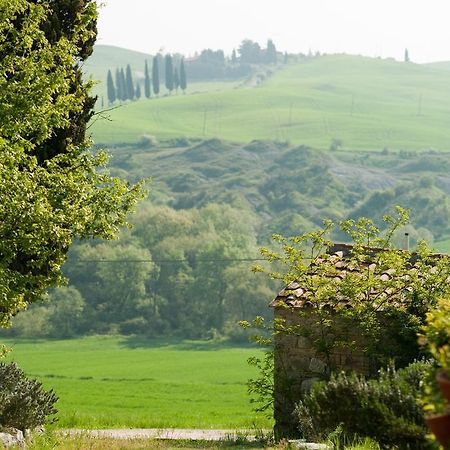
(436, 335)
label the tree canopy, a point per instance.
(51, 187)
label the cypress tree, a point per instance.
(118, 86)
(123, 85)
(271, 52)
(233, 57)
(147, 88)
(155, 75)
(169, 73)
(176, 79)
(406, 55)
(138, 91)
(183, 80)
(62, 19)
(110, 88)
(129, 83)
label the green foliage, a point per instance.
(129, 83)
(147, 82)
(340, 441)
(183, 77)
(54, 187)
(120, 85)
(155, 75)
(176, 272)
(111, 89)
(335, 145)
(366, 310)
(435, 335)
(169, 73)
(66, 312)
(385, 409)
(23, 402)
(261, 389)
(176, 79)
(292, 188)
(436, 332)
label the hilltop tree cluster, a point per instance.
(123, 88)
(170, 70)
(213, 64)
(251, 52)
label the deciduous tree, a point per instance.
(51, 189)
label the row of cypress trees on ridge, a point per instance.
(122, 87)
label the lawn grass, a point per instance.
(367, 103)
(117, 382)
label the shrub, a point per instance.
(23, 401)
(384, 409)
(147, 140)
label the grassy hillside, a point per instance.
(367, 103)
(123, 382)
(106, 57)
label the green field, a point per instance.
(367, 103)
(120, 382)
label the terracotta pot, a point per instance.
(440, 427)
(444, 384)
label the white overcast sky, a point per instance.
(368, 27)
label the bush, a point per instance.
(384, 409)
(147, 141)
(23, 402)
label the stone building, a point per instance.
(297, 362)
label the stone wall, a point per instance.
(298, 366)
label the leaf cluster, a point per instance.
(373, 299)
(47, 202)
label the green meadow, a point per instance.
(122, 382)
(367, 103)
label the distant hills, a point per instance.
(361, 103)
(292, 189)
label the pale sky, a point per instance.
(368, 27)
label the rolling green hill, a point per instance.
(367, 103)
(106, 57)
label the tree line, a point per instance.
(123, 87)
(176, 273)
(170, 70)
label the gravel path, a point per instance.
(167, 433)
